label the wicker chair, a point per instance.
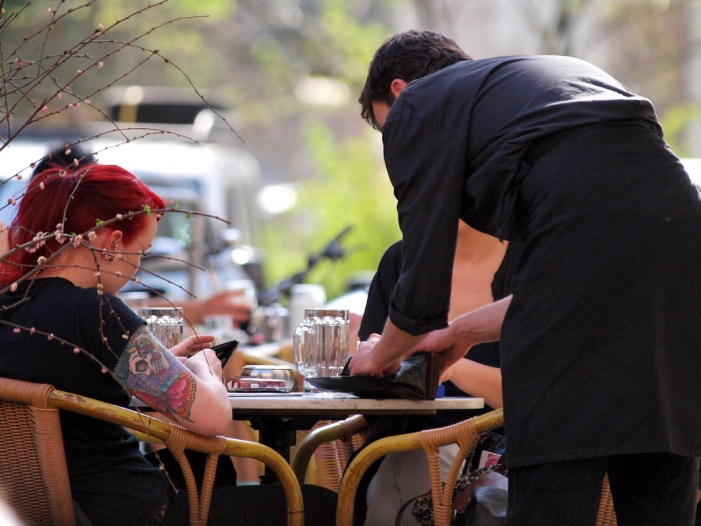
(33, 464)
(332, 444)
(465, 434)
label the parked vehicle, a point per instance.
(214, 179)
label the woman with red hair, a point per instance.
(77, 238)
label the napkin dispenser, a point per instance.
(418, 377)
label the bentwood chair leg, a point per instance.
(336, 431)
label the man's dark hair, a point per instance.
(407, 56)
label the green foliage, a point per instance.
(328, 40)
(215, 10)
(353, 190)
(187, 41)
(675, 122)
(345, 38)
(346, 184)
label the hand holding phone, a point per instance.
(225, 351)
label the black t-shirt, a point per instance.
(375, 316)
(387, 275)
(110, 479)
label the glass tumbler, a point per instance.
(305, 351)
(321, 343)
(165, 323)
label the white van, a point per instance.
(216, 179)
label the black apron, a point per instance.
(600, 346)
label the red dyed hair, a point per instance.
(99, 192)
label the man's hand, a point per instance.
(445, 341)
(384, 354)
(367, 359)
(447, 373)
(479, 326)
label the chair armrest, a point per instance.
(171, 434)
(143, 437)
(398, 444)
(336, 431)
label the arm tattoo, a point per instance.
(156, 377)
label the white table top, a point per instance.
(294, 404)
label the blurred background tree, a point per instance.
(652, 46)
(291, 71)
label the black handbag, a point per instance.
(476, 501)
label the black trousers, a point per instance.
(262, 505)
(653, 489)
(259, 505)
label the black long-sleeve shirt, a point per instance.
(454, 142)
(599, 346)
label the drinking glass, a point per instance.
(165, 323)
(321, 343)
(220, 326)
(305, 351)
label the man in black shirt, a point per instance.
(599, 341)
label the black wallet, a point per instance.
(418, 377)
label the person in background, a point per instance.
(65, 326)
(481, 274)
(60, 157)
(195, 310)
(599, 341)
(65, 157)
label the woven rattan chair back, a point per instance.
(331, 444)
(32, 459)
(607, 515)
(176, 438)
(465, 434)
(332, 457)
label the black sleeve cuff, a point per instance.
(416, 327)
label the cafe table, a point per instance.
(278, 416)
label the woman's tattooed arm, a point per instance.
(151, 373)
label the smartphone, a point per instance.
(246, 384)
(225, 351)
